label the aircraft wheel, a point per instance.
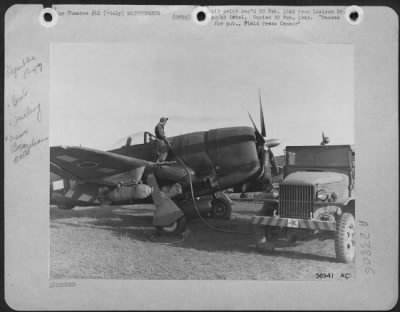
(221, 208)
(177, 227)
(345, 238)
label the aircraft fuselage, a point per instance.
(217, 159)
(220, 158)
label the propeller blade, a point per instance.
(274, 166)
(252, 121)
(265, 163)
(259, 137)
(263, 131)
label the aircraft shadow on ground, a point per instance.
(198, 235)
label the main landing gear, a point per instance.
(221, 206)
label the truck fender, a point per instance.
(349, 206)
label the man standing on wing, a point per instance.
(162, 142)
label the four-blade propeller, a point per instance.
(264, 143)
(261, 137)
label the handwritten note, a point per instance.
(24, 112)
(24, 69)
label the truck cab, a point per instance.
(317, 181)
(317, 193)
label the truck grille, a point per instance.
(296, 201)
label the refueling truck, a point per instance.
(317, 195)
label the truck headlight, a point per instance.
(322, 195)
(275, 192)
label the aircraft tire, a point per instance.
(221, 208)
(178, 227)
(345, 238)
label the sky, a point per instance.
(101, 92)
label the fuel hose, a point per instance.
(210, 226)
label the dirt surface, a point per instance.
(97, 243)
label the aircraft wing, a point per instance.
(91, 164)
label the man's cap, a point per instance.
(162, 119)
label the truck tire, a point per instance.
(345, 238)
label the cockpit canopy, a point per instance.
(140, 137)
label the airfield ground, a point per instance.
(96, 243)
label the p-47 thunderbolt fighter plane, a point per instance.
(199, 164)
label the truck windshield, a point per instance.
(319, 157)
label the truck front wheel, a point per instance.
(345, 238)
